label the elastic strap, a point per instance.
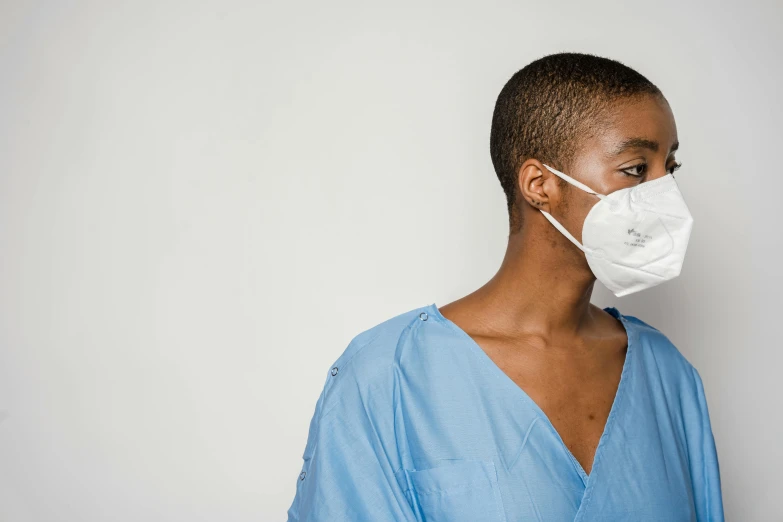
(562, 229)
(574, 182)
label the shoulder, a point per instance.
(661, 358)
(364, 370)
(373, 350)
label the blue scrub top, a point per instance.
(416, 423)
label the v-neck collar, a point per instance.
(587, 480)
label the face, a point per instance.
(635, 143)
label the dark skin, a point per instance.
(534, 318)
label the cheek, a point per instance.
(577, 207)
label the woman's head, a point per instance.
(576, 112)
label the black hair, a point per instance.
(548, 106)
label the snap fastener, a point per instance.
(334, 371)
(423, 316)
(302, 475)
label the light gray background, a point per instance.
(202, 203)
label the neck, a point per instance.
(542, 287)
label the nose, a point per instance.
(656, 173)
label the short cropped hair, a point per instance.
(548, 106)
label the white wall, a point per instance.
(201, 203)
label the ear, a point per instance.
(537, 186)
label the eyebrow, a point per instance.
(641, 143)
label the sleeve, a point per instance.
(348, 471)
(705, 470)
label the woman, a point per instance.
(522, 400)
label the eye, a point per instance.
(636, 171)
(674, 167)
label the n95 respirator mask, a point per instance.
(633, 238)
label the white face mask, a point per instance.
(635, 237)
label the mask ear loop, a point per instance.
(574, 182)
(563, 231)
(554, 222)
